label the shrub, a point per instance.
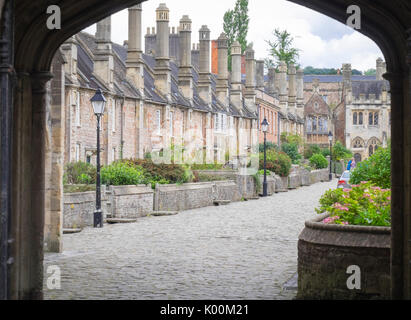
(318, 161)
(171, 172)
(269, 146)
(205, 166)
(340, 152)
(376, 169)
(277, 162)
(325, 152)
(291, 138)
(364, 204)
(79, 173)
(291, 149)
(121, 174)
(310, 150)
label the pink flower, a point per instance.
(364, 182)
(347, 190)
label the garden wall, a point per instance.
(129, 202)
(194, 195)
(326, 251)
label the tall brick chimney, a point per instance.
(236, 85)
(103, 58)
(347, 76)
(292, 94)
(222, 81)
(300, 93)
(282, 82)
(260, 74)
(250, 80)
(271, 81)
(162, 77)
(134, 64)
(381, 69)
(204, 81)
(185, 76)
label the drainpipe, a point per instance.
(122, 127)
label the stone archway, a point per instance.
(24, 143)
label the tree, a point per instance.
(281, 49)
(370, 72)
(236, 26)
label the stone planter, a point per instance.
(325, 252)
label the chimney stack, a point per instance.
(250, 81)
(69, 49)
(381, 69)
(260, 74)
(162, 79)
(271, 81)
(300, 93)
(282, 82)
(292, 93)
(347, 74)
(103, 62)
(134, 65)
(204, 81)
(185, 76)
(236, 85)
(222, 80)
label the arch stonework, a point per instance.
(388, 23)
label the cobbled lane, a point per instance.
(245, 250)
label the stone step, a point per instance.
(119, 220)
(163, 213)
(70, 231)
(251, 198)
(221, 202)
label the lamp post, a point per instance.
(330, 138)
(264, 128)
(98, 102)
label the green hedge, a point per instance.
(277, 162)
(318, 161)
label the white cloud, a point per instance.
(323, 41)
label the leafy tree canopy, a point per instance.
(281, 49)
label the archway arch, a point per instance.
(387, 23)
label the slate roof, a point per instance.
(369, 87)
(124, 87)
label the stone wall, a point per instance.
(326, 251)
(79, 208)
(194, 195)
(131, 202)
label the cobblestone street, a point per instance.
(246, 250)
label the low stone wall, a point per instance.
(194, 195)
(326, 251)
(129, 202)
(79, 207)
(321, 175)
(223, 174)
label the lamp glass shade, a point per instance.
(264, 125)
(99, 103)
(330, 136)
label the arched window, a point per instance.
(370, 119)
(358, 143)
(361, 118)
(373, 146)
(376, 119)
(314, 124)
(354, 121)
(370, 151)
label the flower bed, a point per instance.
(364, 204)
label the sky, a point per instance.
(323, 42)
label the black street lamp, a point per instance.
(264, 128)
(98, 102)
(330, 138)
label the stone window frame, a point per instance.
(77, 107)
(158, 122)
(113, 115)
(171, 123)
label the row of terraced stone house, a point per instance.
(167, 96)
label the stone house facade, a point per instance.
(162, 100)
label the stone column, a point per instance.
(103, 58)
(236, 86)
(55, 160)
(222, 81)
(292, 94)
(185, 76)
(250, 81)
(31, 138)
(134, 64)
(162, 78)
(260, 74)
(204, 81)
